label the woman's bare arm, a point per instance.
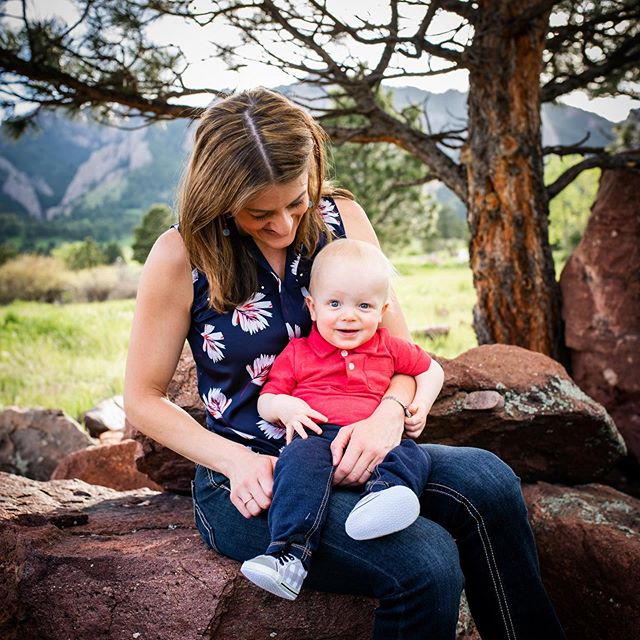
(160, 325)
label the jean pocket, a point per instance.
(217, 480)
(205, 529)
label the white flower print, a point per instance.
(329, 213)
(252, 315)
(279, 283)
(260, 369)
(295, 263)
(211, 343)
(293, 332)
(246, 436)
(271, 430)
(216, 402)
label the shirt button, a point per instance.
(344, 353)
(351, 366)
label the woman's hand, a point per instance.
(360, 446)
(251, 476)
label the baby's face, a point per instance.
(347, 302)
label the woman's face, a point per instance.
(273, 216)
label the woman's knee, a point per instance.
(424, 560)
(481, 480)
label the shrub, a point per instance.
(127, 283)
(33, 277)
(154, 222)
(93, 285)
(84, 254)
(112, 282)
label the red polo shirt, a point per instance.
(344, 385)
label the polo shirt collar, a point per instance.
(323, 349)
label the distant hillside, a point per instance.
(74, 177)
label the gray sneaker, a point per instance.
(383, 512)
(281, 575)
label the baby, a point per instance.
(336, 376)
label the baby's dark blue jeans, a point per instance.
(302, 485)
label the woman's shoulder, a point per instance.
(354, 219)
(167, 264)
(169, 251)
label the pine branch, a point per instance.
(629, 160)
(79, 92)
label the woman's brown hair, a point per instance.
(243, 144)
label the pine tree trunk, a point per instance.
(518, 298)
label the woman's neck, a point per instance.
(276, 258)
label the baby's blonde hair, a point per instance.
(348, 249)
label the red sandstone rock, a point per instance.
(85, 562)
(589, 545)
(108, 465)
(601, 303)
(519, 404)
(33, 441)
(524, 407)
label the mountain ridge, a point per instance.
(80, 168)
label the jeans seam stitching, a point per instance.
(318, 520)
(215, 484)
(206, 524)
(484, 527)
(493, 567)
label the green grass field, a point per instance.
(72, 356)
(438, 295)
(63, 356)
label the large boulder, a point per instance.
(107, 415)
(89, 563)
(33, 441)
(524, 407)
(111, 465)
(601, 303)
(589, 545)
(519, 404)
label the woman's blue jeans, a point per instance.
(473, 533)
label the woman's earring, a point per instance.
(310, 204)
(225, 229)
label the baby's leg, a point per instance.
(301, 489)
(389, 502)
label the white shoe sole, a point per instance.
(383, 512)
(268, 580)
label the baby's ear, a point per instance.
(311, 306)
(385, 306)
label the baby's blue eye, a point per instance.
(365, 305)
(334, 304)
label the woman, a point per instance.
(254, 210)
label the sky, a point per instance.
(206, 72)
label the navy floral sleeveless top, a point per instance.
(234, 350)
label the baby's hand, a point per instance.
(414, 425)
(296, 416)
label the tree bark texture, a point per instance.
(518, 298)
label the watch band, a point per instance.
(405, 408)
